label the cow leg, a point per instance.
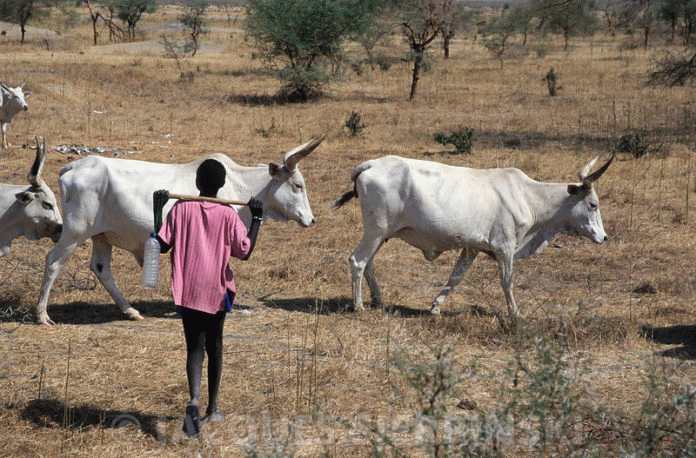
(466, 258)
(360, 260)
(505, 262)
(54, 261)
(101, 266)
(4, 135)
(375, 294)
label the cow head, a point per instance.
(39, 207)
(287, 196)
(585, 218)
(12, 101)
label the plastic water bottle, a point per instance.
(151, 261)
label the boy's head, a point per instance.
(210, 177)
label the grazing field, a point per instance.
(607, 336)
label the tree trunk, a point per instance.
(417, 63)
(446, 38)
(94, 29)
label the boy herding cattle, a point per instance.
(202, 237)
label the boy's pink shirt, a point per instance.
(203, 236)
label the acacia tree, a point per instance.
(304, 37)
(677, 69)
(20, 12)
(568, 17)
(131, 11)
(115, 32)
(193, 20)
(501, 29)
(452, 16)
(642, 13)
(420, 25)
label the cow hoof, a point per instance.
(135, 315)
(435, 311)
(45, 321)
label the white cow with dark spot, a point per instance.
(437, 207)
(11, 102)
(110, 201)
(31, 211)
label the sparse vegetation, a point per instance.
(354, 124)
(462, 138)
(633, 144)
(305, 375)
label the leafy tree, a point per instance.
(676, 69)
(501, 29)
(193, 20)
(642, 14)
(115, 32)
(671, 11)
(452, 16)
(20, 12)
(568, 17)
(420, 25)
(689, 20)
(305, 36)
(131, 11)
(369, 38)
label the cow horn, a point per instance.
(4, 86)
(34, 175)
(589, 179)
(294, 156)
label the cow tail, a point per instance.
(348, 195)
(66, 168)
(345, 197)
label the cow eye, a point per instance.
(593, 206)
(47, 205)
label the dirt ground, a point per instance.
(304, 373)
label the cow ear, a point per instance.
(27, 94)
(24, 197)
(574, 189)
(274, 169)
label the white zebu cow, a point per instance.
(110, 200)
(29, 211)
(437, 207)
(11, 102)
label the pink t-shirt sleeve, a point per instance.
(203, 236)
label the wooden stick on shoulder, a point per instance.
(206, 199)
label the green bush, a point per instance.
(633, 144)
(461, 138)
(354, 124)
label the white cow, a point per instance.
(11, 102)
(110, 200)
(437, 207)
(29, 211)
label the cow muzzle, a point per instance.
(306, 224)
(55, 236)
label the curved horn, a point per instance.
(34, 175)
(586, 179)
(294, 156)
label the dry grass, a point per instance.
(296, 357)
